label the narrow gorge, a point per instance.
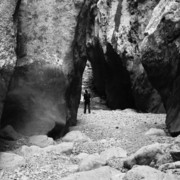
(45, 46)
(126, 52)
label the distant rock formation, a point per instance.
(161, 58)
(116, 30)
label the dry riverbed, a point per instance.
(103, 127)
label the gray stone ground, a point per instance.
(105, 128)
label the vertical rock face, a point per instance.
(7, 46)
(38, 101)
(45, 44)
(161, 58)
(115, 33)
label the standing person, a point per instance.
(87, 98)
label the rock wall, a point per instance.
(45, 45)
(73, 93)
(160, 56)
(115, 33)
(40, 98)
(7, 46)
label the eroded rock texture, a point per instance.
(45, 44)
(115, 33)
(7, 46)
(47, 78)
(161, 57)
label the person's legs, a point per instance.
(89, 108)
(85, 105)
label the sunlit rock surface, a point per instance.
(41, 87)
(116, 30)
(161, 55)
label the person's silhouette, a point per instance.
(87, 98)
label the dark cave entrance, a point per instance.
(110, 79)
(118, 84)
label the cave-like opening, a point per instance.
(118, 84)
(110, 79)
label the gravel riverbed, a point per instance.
(105, 128)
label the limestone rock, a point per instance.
(31, 150)
(65, 147)
(73, 168)
(156, 132)
(177, 140)
(175, 153)
(74, 136)
(175, 149)
(146, 155)
(114, 152)
(80, 157)
(128, 110)
(147, 173)
(115, 32)
(8, 132)
(7, 46)
(102, 173)
(45, 89)
(10, 160)
(91, 162)
(174, 165)
(160, 57)
(176, 144)
(41, 140)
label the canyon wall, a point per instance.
(133, 47)
(7, 47)
(161, 58)
(39, 97)
(116, 30)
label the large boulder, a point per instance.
(113, 152)
(155, 132)
(148, 155)
(173, 165)
(9, 133)
(103, 173)
(92, 161)
(45, 89)
(147, 173)
(80, 157)
(74, 136)
(160, 57)
(11, 160)
(115, 32)
(41, 141)
(28, 151)
(175, 149)
(62, 148)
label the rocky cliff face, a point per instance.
(7, 46)
(45, 45)
(161, 55)
(115, 33)
(38, 98)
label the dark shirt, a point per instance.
(87, 97)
